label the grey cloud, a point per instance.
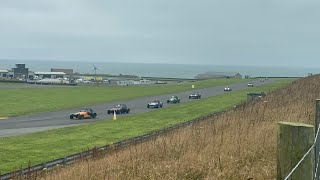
(208, 31)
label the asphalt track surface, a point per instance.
(51, 120)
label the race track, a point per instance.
(51, 120)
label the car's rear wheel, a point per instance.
(94, 115)
(80, 117)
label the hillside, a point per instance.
(240, 144)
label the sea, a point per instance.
(158, 70)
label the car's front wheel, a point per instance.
(71, 116)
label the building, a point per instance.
(212, 75)
(125, 82)
(50, 75)
(4, 73)
(145, 81)
(20, 71)
(66, 71)
(255, 96)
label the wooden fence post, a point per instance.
(317, 145)
(293, 141)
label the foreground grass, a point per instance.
(45, 146)
(33, 100)
(11, 83)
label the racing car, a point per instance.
(227, 89)
(119, 109)
(84, 114)
(155, 104)
(194, 95)
(173, 99)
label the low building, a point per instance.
(145, 81)
(126, 82)
(50, 75)
(212, 75)
(4, 73)
(66, 71)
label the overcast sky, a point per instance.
(221, 32)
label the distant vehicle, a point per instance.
(250, 85)
(261, 80)
(173, 99)
(155, 104)
(194, 95)
(160, 82)
(227, 89)
(119, 109)
(84, 114)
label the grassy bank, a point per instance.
(239, 144)
(33, 100)
(41, 147)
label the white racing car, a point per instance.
(227, 89)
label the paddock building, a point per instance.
(50, 75)
(3, 73)
(66, 71)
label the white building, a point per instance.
(145, 81)
(52, 75)
(125, 82)
(3, 73)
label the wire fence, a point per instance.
(316, 176)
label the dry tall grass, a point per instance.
(240, 144)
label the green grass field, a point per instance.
(11, 83)
(45, 146)
(33, 100)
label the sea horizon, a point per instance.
(160, 69)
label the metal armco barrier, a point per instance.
(72, 158)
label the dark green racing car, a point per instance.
(173, 99)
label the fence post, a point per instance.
(317, 145)
(293, 141)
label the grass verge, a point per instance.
(45, 146)
(16, 102)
